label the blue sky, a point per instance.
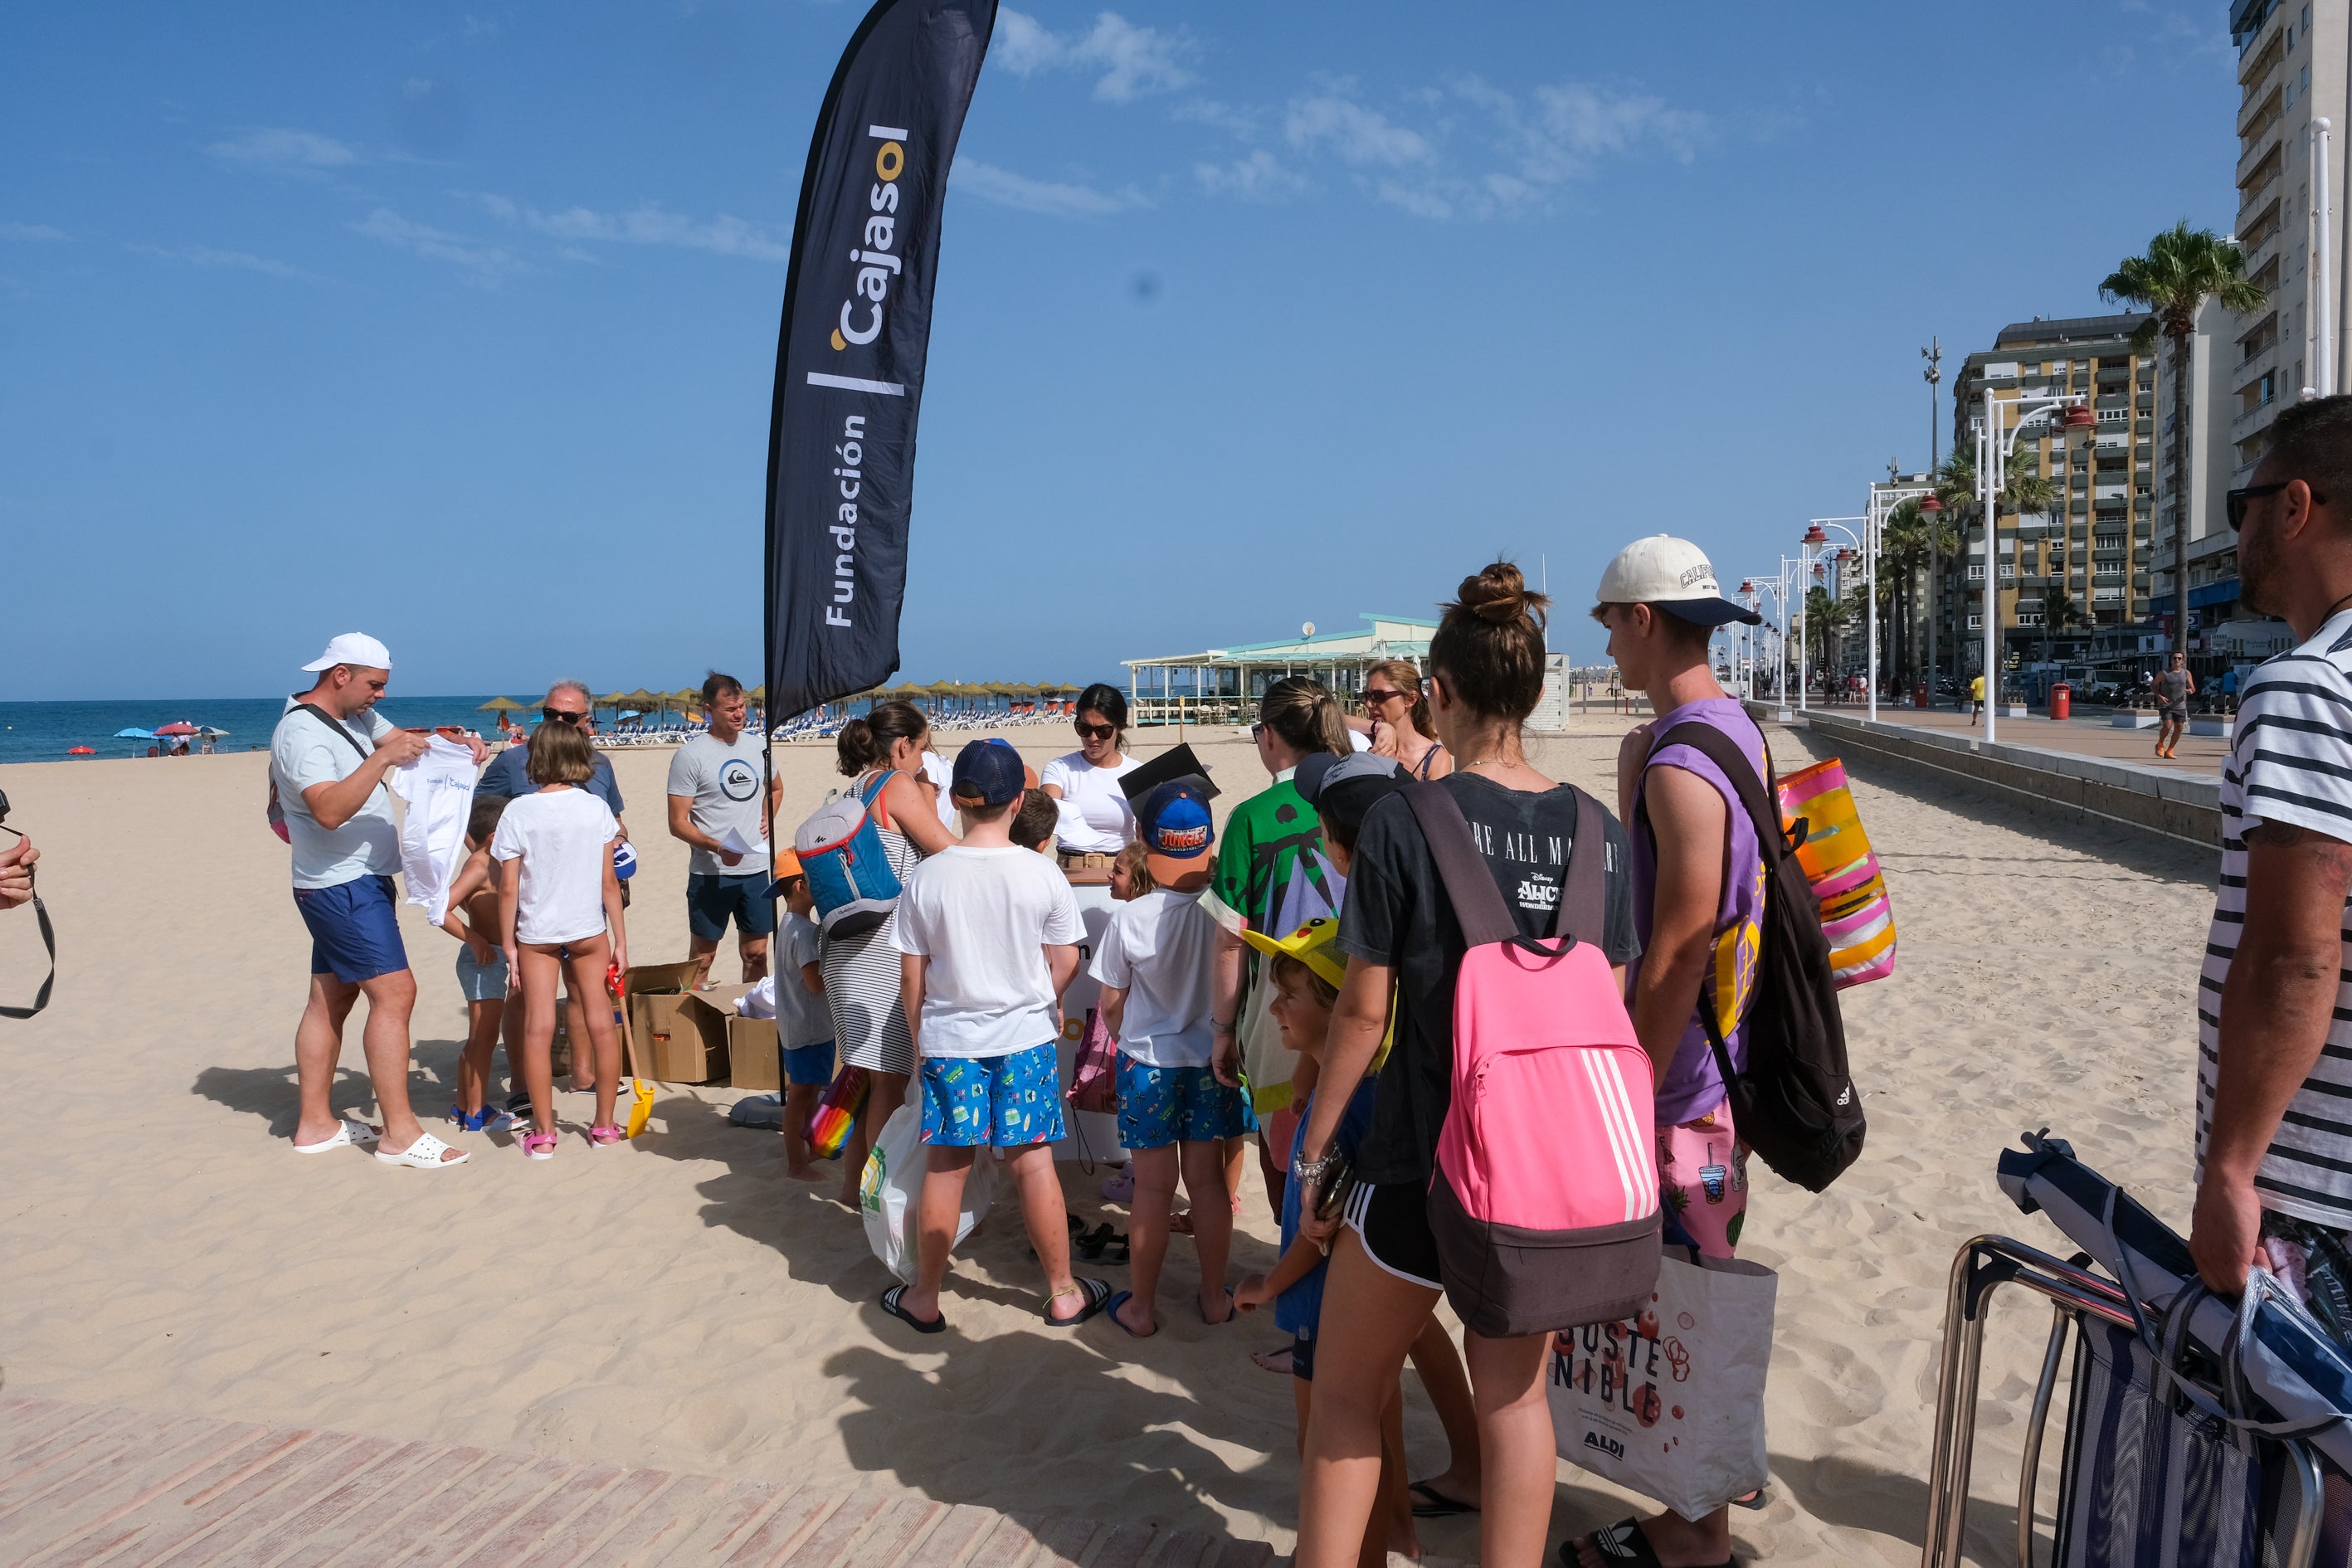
(458, 326)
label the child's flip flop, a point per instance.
(1428, 1503)
(893, 1302)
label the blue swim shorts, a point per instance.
(1008, 1101)
(809, 1064)
(1160, 1106)
(354, 929)
(711, 901)
(481, 982)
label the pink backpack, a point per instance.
(1545, 1199)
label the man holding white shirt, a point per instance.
(715, 808)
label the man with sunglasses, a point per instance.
(2275, 1010)
(567, 702)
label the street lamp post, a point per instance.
(1996, 440)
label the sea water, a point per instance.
(43, 731)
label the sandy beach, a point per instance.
(678, 1302)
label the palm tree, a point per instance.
(1824, 617)
(2060, 613)
(2182, 270)
(1910, 541)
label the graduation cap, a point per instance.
(1179, 762)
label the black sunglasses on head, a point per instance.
(559, 716)
(2235, 502)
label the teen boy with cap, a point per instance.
(989, 933)
(1155, 964)
(1698, 897)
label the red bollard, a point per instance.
(1919, 696)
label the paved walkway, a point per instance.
(2090, 735)
(84, 1485)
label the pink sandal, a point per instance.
(606, 1137)
(536, 1145)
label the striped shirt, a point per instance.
(2290, 762)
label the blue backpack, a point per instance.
(849, 873)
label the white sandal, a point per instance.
(348, 1134)
(425, 1154)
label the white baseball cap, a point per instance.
(356, 648)
(1674, 574)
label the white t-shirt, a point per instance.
(941, 778)
(1096, 817)
(982, 917)
(564, 839)
(305, 753)
(724, 781)
(1158, 950)
(440, 789)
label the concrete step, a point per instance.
(83, 1486)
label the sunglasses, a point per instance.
(559, 716)
(1372, 696)
(1094, 731)
(2235, 502)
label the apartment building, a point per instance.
(2091, 549)
(2290, 73)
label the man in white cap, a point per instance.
(1698, 899)
(327, 761)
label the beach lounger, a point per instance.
(2196, 1427)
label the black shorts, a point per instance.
(1302, 1358)
(2173, 715)
(1391, 1220)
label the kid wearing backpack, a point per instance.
(1700, 881)
(1536, 843)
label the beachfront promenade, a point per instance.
(677, 1306)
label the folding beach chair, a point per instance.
(2195, 1427)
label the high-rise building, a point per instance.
(2290, 74)
(2082, 566)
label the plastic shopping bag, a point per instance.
(1857, 915)
(892, 1185)
(1671, 1402)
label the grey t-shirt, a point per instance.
(724, 781)
(2172, 687)
(304, 753)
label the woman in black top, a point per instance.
(1486, 667)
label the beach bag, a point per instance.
(276, 813)
(1545, 1199)
(892, 1188)
(1857, 920)
(1094, 1075)
(837, 1110)
(1670, 1401)
(849, 874)
(1796, 1105)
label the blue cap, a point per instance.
(624, 860)
(989, 773)
(1173, 823)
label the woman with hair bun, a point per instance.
(1403, 942)
(1096, 823)
(882, 754)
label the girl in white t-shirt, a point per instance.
(562, 905)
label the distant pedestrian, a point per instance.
(717, 809)
(2174, 688)
(327, 760)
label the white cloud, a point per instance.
(648, 223)
(238, 260)
(487, 263)
(1235, 121)
(1260, 177)
(1050, 198)
(289, 150)
(1332, 122)
(1132, 61)
(31, 232)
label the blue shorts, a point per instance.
(354, 929)
(481, 982)
(809, 1064)
(1008, 1101)
(1160, 1106)
(711, 901)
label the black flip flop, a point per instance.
(1428, 1503)
(1621, 1542)
(893, 1302)
(1098, 1294)
(1110, 1310)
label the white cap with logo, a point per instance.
(356, 649)
(1674, 574)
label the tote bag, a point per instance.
(892, 1186)
(1670, 1403)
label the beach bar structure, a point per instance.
(1222, 685)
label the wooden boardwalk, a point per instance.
(82, 1485)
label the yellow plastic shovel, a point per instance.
(641, 1106)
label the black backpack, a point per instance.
(1796, 1105)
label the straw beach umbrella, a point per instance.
(503, 705)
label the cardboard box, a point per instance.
(672, 1043)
